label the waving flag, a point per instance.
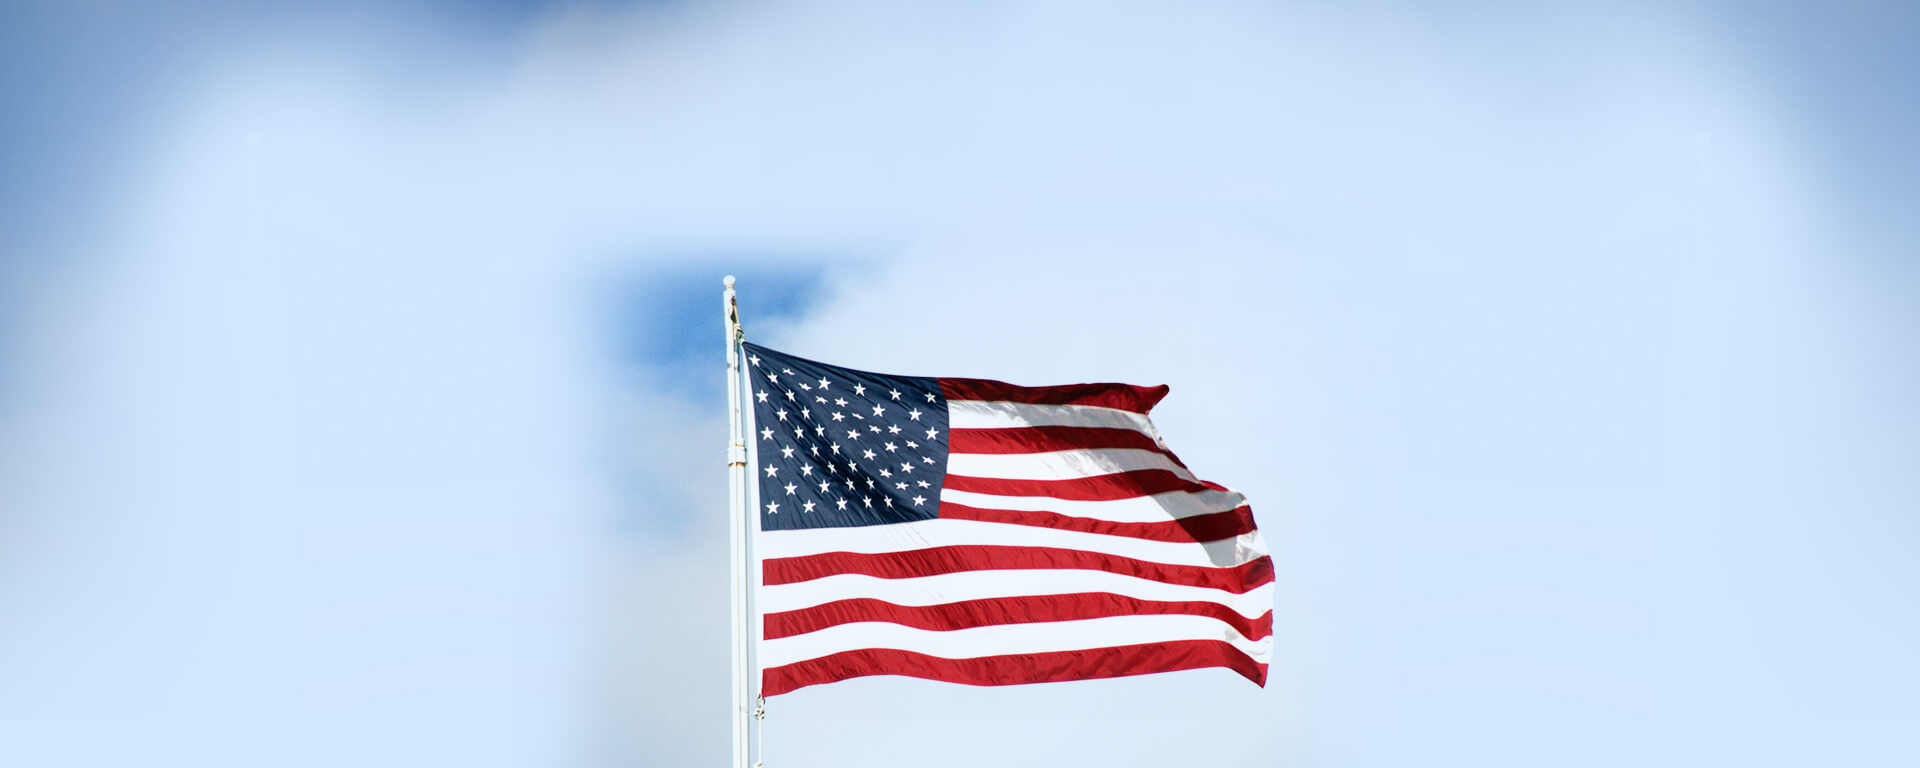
(978, 532)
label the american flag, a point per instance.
(978, 532)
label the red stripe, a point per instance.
(1119, 485)
(982, 557)
(1208, 527)
(1017, 669)
(1044, 439)
(1003, 610)
(1126, 397)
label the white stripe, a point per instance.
(983, 585)
(1061, 465)
(995, 414)
(1002, 639)
(1158, 508)
(925, 534)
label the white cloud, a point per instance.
(334, 423)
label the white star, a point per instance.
(836, 447)
(885, 473)
(931, 432)
(800, 433)
(840, 401)
(824, 383)
(895, 393)
(766, 434)
(912, 444)
(791, 488)
(755, 359)
(789, 393)
(806, 413)
(819, 429)
(869, 501)
(840, 503)
(787, 371)
(914, 414)
(773, 378)
(782, 413)
(823, 486)
(853, 434)
(919, 500)
(859, 389)
(762, 394)
(869, 454)
(773, 507)
(819, 399)
(900, 486)
(891, 447)
(924, 484)
(872, 483)
(838, 416)
(888, 500)
(806, 470)
(806, 387)
(906, 467)
(874, 427)
(930, 397)
(879, 411)
(771, 471)
(808, 507)
(893, 429)
(786, 452)
(927, 459)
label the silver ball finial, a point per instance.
(728, 281)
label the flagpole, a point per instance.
(737, 538)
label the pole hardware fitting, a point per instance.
(759, 707)
(736, 455)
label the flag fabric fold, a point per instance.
(978, 532)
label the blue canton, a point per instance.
(839, 447)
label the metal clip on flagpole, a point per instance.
(746, 709)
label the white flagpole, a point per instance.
(737, 539)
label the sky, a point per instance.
(360, 365)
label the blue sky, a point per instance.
(353, 405)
